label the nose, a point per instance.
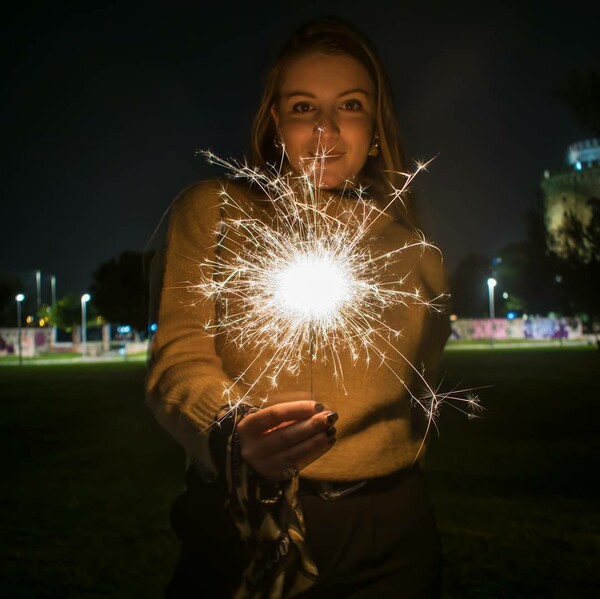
(326, 126)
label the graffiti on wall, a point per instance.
(530, 328)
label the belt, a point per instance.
(331, 490)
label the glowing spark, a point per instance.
(302, 283)
(313, 287)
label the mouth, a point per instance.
(325, 157)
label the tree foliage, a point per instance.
(468, 286)
(579, 261)
(9, 287)
(119, 290)
(66, 313)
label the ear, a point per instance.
(275, 115)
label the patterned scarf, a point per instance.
(269, 518)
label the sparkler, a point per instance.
(303, 283)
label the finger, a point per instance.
(281, 438)
(302, 455)
(266, 419)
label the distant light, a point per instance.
(453, 317)
(86, 297)
(41, 322)
(505, 295)
(558, 278)
(29, 319)
(491, 282)
(511, 315)
(19, 297)
(578, 166)
(525, 317)
(153, 327)
(124, 329)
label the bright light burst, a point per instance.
(303, 284)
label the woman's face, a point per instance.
(325, 115)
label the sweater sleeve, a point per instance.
(186, 385)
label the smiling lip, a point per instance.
(326, 157)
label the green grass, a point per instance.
(14, 358)
(89, 477)
(516, 490)
(87, 484)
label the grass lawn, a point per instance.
(88, 478)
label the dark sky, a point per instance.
(103, 108)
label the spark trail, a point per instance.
(305, 283)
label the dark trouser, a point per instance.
(212, 556)
(366, 545)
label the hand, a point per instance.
(294, 433)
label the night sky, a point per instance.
(104, 107)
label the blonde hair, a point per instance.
(332, 35)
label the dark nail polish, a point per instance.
(332, 417)
(319, 407)
(330, 432)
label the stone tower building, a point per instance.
(572, 189)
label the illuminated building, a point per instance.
(572, 189)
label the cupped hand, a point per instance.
(293, 433)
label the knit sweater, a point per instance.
(380, 429)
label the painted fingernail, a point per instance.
(330, 432)
(331, 417)
(319, 407)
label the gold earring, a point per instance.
(374, 151)
(278, 142)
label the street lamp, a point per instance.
(53, 290)
(38, 289)
(53, 306)
(19, 298)
(85, 298)
(491, 284)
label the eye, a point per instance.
(352, 105)
(301, 107)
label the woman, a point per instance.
(293, 494)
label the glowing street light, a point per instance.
(38, 289)
(53, 290)
(85, 298)
(19, 299)
(491, 284)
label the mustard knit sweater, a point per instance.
(379, 428)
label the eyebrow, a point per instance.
(309, 95)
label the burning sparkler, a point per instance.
(305, 283)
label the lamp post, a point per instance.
(491, 282)
(38, 289)
(85, 298)
(19, 298)
(53, 289)
(53, 306)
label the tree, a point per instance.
(119, 290)
(468, 287)
(579, 261)
(535, 278)
(66, 314)
(9, 287)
